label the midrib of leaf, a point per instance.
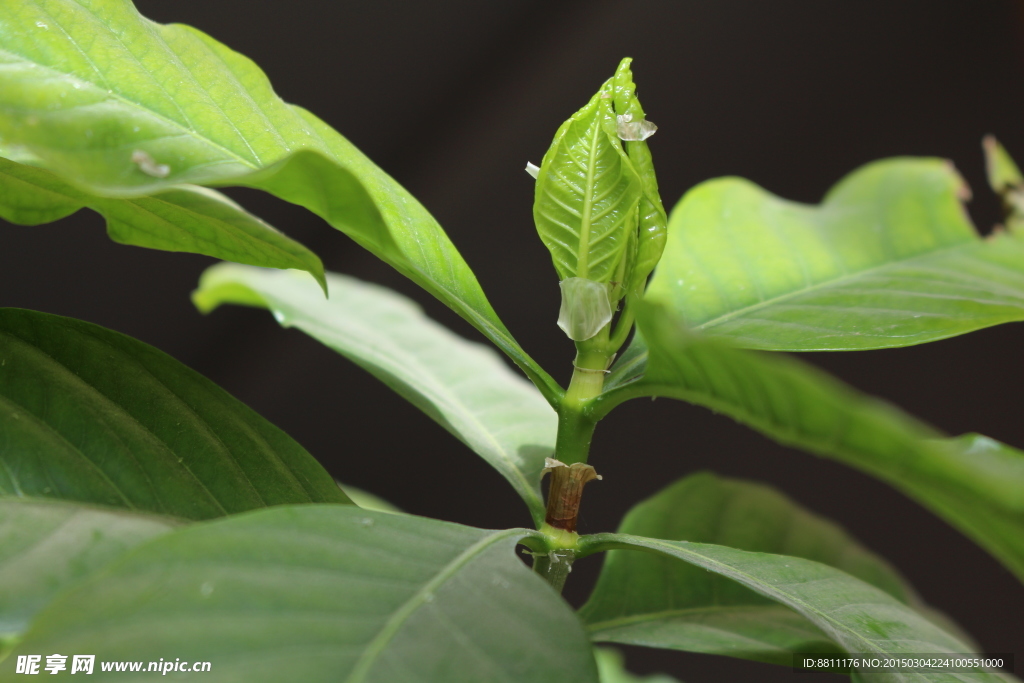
(181, 68)
(376, 646)
(102, 398)
(847, 277)
(228, 71)
(42, 425)
(582, 254)
(114, 94)
(74, 378)
(727, 570)
(202, 424)
(188, 127)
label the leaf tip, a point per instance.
(1003, 173)
(321, 278)
(220, 284)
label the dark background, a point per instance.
(454, 98)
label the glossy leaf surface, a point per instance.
(855, 615)
(188, 218)
(978, 489)
(465, 387)
(325, 593)
(90, 415)
(888, 259)
(586, 197)
(86, 84)
(656, 601)
(46, 546)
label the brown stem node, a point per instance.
(567, 482)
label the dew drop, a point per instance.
(366, 521)
(206, 590)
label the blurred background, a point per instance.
(453, 99)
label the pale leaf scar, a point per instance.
(149, 166)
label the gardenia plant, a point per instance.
(148, 515)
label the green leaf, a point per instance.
(367, 500)
(325, 593)
(93, 416)
(189, 218)
(889, 259)
(612, 669)
(978, 489)
(855, 615)
(463, 386)
(46, 546)
(586, 196)
(85, 84)
(653, 221)
(994, 520)
(1005, 179)
(656, 601)
(1003, 173)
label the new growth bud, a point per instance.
(597, 207)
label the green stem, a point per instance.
(572, 447)
(575, 428)
(554, 567)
